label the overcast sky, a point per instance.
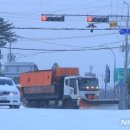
(28, 14)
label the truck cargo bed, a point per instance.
(48, 96)
(37, 90)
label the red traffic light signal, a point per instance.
(52, 18)
(89, 19)
(44, 18)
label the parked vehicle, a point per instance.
(60, 87)
(9, 94)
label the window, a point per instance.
(6, 82)
(82, 82)
(72, 82)
(11, 69)
(67, 82)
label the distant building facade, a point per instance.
(14, 69)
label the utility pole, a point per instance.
(10, 53)
(126, 62)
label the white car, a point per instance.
(9, 93)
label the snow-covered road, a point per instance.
(60, 119)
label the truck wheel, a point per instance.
(14, 106)
(11, 106)
(76, 107)
(43, 104)
(68, 104)
(31, 104)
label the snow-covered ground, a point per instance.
(60, 119)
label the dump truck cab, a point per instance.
(88, 87)
(78, 88)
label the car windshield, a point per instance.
(6, 82)
(87, 82)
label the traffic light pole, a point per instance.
(105, 89)
(107, 79)
(114, 68)
(126, 63)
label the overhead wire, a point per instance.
(60, 50)
(77, 37)
(99, 47)
(117, 7)
(83, 8)
(69, 29)
(45, 42)
(111, 6)
(75, 8)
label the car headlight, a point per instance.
(14, 93)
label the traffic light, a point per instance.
(102, 19)
(107, 77)
(52, 18)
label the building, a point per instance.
(14, 69)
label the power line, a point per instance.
(111, 7)
(75, 37)
(67, 29)
(61, 50)
(117, 7)
(79, 15)
(82, 8)
(67, 44)
(45, 42)
(70, 8)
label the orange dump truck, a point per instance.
(50, 88)
(60, 87)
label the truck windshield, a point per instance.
(82, 82)
(6, 82)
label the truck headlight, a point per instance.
(13, 93)
(87, 87)
(92, 87)
(97, 87)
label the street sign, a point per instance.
(119, 74)
(113, 24)
(124, 31)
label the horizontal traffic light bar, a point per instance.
(102, 19)
(52, 18)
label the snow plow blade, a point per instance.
(102, 101)
(99, 103)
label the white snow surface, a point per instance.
(60, 119)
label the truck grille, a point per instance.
(90, 96)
